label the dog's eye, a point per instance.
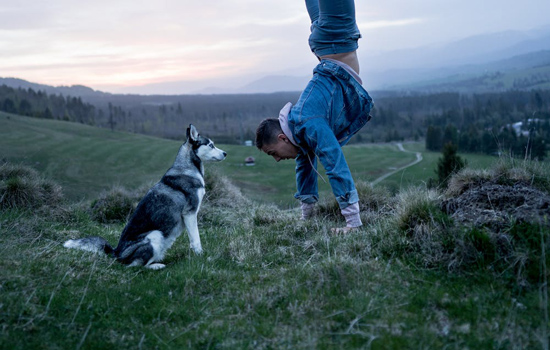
(211, 145)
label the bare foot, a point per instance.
(343, 230)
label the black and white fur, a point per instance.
(168, 207)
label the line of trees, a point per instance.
(475, 123)
(531, 143)
(41, 105)
(515, 123)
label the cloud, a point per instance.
(129, 41)
(140, 41)
(268, 22)
(390, 23)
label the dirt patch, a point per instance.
(495, 205)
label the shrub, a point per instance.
(450, 163)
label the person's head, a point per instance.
(271, 139)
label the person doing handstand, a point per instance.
(332, 108)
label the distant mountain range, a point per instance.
(74, 90)
(475, 56)
(491, 62)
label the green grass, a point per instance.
(276, 285)
(266, 280)
(87, 160)
(84, 160)
(272, 182)
(421, 172)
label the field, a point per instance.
(266, 280)
(87, 160)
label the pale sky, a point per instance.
(106, 44)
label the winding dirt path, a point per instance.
(400, 147)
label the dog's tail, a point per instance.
(90, 244)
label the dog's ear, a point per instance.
(192, 133)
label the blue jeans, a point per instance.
(332, 108)
(333, 26)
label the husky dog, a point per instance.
(161, 215)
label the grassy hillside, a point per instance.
(413, 277)
(84, 160)
(421, 172)
(87, 160)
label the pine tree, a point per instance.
(449, 164)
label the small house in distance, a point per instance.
(248, 143)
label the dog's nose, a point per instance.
(224, 154)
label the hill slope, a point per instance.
(410, 278)
(87, 160)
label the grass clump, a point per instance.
(503, 219)
(373, 203)
(418, 208)
(422, 231)
(534, 173)
(21, 187)
(531, 249)
(515, 256)
(113, 206)
(221, 192)
(507, 171)
(223, 204)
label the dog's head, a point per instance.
(204, 147)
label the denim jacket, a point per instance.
(332, 108)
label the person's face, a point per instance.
(281, 150)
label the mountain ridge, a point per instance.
(506, 53)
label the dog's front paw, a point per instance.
(156, 266)
(197, 249)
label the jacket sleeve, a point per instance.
(321, 140)
(306, 178)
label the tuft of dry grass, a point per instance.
(220, 191)
(506, 171)
(373, 203)
(418, 208)
(223, 204)
(113, 206)
(21, 187)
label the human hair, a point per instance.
(267, 132)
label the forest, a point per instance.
(517, 122)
